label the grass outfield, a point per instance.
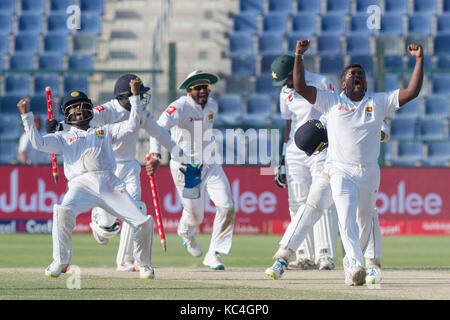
(413, 268)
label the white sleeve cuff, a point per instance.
(155, 146)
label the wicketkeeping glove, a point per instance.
(192, 178)
(53, 126)
(280, 176)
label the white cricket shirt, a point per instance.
(297, 109)
(83, 151)
(125, 149)
(354, 127)
(188, 122)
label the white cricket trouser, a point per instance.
(319, 199)
(301, 173)
(129, 173)
(215, 182)
(107, 191)
(373, 247)
(354, 190)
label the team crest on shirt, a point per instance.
(290, 97)
(99, 132)
(368, 112)
(211, 116)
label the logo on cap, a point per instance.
(274, 75)
(75, 94)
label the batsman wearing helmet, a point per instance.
(189, 119)
(89, 167)
(104, 225)
(319, 248)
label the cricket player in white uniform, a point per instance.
(354, 121)
(319, 248)
(89, 166)
(190, 119)
(311, 137)
(104, 225)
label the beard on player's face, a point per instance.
(199, 96)
(355, 84)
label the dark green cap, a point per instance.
(281, 68)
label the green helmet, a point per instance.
(281, 68)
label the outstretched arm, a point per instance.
(123, 128)
(415, 83)
(49, 143)
(300, 86)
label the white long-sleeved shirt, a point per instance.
(188, 122)
(125, 149)
(297, 109)
(354, 127)
(83, 150)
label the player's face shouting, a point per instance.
(355, 83)
(77, 112)
(199, 92)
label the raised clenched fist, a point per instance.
(24, 105)
(135, 86)
(302, 46)
(415, 50)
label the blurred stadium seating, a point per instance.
(38, 50)
(340, 34)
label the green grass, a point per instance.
(35, 250)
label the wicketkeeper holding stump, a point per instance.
(89, 167)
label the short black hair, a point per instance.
(352, 65)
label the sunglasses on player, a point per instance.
(200, 86)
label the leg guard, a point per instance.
(325, 235)
(102, 218)
(297, 196)
(63, 225)
(125, 252)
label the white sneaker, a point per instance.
(212, 260)
(127, 267)
(302, 264)
(326, 263)
(373, 275)
(146, 272)
(277, 269)
(357, 278)
(97, 237)
(55, 269)
(193, 247)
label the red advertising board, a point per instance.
(410, 201)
